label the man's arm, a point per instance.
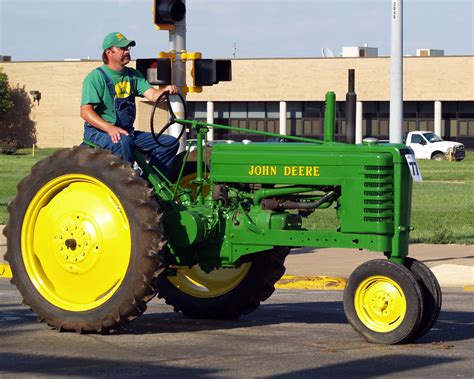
(152, 94)
(89, 115)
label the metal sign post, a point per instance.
(177, 43)
(396, 58)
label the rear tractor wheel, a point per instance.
(85, 241)
(225, 293)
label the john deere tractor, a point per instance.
(91, 239)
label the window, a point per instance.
(238, 110)
(463, 128)
(273, 110)
(383, 128)
(312, 109)
(256, 109)
(294, 109)
(200, 110)
(273, 126)
(453, 128)
(221, 110)
(416, 138)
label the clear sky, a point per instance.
(59, 29)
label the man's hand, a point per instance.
(115, 133)
(172, 89)
(151, 94)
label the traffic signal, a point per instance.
(208, 72)
(167, 12)
(157, 71)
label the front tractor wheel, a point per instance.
(225, 293)
(432, 297)
(383, 302)
(84, 241)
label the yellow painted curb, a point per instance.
(5, 271)
(312, 283)
(469, 288)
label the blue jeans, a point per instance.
(161, 157)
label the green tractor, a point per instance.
(91, 240)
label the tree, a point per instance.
(6, 102)
(16, 127)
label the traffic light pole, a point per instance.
(177, 43)
(396, 82)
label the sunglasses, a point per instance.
(126, 48)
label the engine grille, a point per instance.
(378, 194)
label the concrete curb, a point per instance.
(5, 271)
(450, 275)
(324, 283)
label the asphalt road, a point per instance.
(295, 333)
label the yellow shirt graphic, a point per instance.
(122, 90)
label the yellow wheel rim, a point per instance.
(76, 242)
(195, 282)
(380, 304)
(187, 181)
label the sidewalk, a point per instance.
(453, 265)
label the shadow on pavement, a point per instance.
(90, 367)
(267, 314)
(370, 367)
(451, 326)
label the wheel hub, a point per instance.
(380, 304)
(76, 248)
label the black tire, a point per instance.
(432, 297)
(383, 302)
(50, 283)
(438, 157)
(256, 284)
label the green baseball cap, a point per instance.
(116, 39)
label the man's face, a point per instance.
(120, 55)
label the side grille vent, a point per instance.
(378, 196)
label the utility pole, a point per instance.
(396, 59)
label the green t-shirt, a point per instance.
(96, 92)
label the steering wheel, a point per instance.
(171, 120)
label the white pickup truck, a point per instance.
(428, 145)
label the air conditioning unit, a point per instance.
(429, 53)
(359, 51)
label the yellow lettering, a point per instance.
(293, 171)
(264, 170)
(300, 170)
(287, 171)
(309, 171)
(316, 171)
